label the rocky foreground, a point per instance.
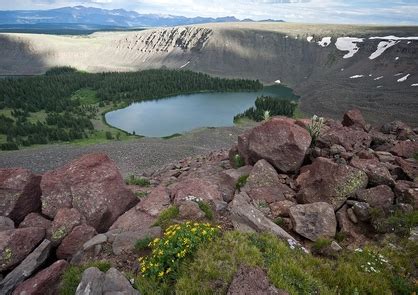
(347, 181)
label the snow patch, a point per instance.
(356, 76)
(185, 64)
(309, 38)
(378, 78)
(348, 44)
(326, 41)
(389, 38)
(381, 47)
(404, 78)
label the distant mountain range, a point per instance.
(89, 17)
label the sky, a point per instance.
(398, 12)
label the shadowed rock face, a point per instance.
(329, 78)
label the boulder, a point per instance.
(281, 208)
(314, 221)
(326, 181)
(36, 220)
(380, 197)
(19, 193)
(377, 172)
(263, 183)
(189, 210)
(279, 141)
(247, 218)
(75, 240)
(91, 184)
(6, 223)
(44, 282)
(64, 222)
(407, 192)
(354, 119)
(155, 202)
(352, 140)
(252, 280)
(95, 282)
(125, 241)
(405, 149)
(231, 176)
(133, 220)
(196, 189)
(26, 268)
(16, 244)
(409, 168)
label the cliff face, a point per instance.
(332, 67)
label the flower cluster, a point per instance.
(372, 262)
(315, 127)
(178, 242)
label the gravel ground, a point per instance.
(133, 156)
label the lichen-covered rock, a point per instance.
(91, 184)
(44, 282)
(280, 142)
(19, 193)
(16, 244)
(36, 220)
(314, 221)
(326, 181)
(64, 222)
(263, 184)
(377, 172)
(26, 268)
(75, 240)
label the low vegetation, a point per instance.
(209, 268)
(267, 107)
(72, 276)
(72, 102)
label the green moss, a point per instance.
(166, 216)
(241, 182)
(72, 276)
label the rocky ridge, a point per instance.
(346, 182)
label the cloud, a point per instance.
(311, 11)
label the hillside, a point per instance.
(330, 72)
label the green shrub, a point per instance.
(143, 244)
(133, 180)
(241, 182)
(207, 209)
(167, 216)
(72, 276)
(238, 161)
(179, 242)
(321, 244)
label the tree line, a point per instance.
(68, 119)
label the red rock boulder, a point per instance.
(93, 185)
(16, 244)
(280, 142)
(44, 282)
(19, 193)
(326, 181)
